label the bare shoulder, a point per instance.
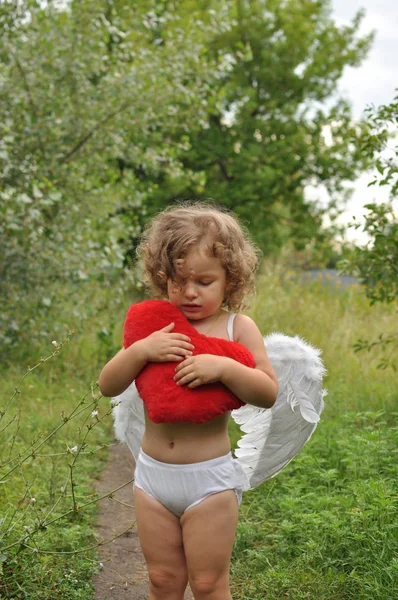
(242, 324)
(246, 331)
(248, 334)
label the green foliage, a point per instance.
(110, 111)
(51, 443)
(323, 528)
(77, 109)
(381, 126)
(326, 527)
(377, 267)
(332, 318)
(376, 264)
(266, 136)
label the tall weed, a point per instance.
(327, 526)
(323, 528)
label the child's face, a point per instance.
(199, 288)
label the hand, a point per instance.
(164, 346)
(200, 369)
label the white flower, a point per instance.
(94, 414)
(73, 449)
(54, 343)
(101, 565)
(32, 500)
(27, 528)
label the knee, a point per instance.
(167, 580)
(205, 586)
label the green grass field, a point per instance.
(324, 528)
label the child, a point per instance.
(187, 485)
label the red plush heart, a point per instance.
(166, 402)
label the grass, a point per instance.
(43, 521)
(327, 526)
(323, 528)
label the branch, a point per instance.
(90, 134)
(45, 524)
(82, 550)
(246, 42)
(31, 102)
(224, 171)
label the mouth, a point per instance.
(190, 306)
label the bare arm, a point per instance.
(257, 386)
(252, 386)
(122, 369)
(160, 346)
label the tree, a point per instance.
(87, 94)
(110, 110)
(264, 139)
(376, 263)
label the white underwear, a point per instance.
(181, 487)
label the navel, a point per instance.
(171, 444)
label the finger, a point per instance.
(186, 380)
(178, 375)
(185, 363)
(186, 345)
(180, 336)
(181, 352)
(181, 374)
(194, 384)
(172, 358)
(183, 347)
(168, 327)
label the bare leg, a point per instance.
(161, 541)
(208, 532)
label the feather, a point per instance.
(298, 397)
(129, 419)
(272, 437)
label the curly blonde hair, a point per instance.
(170, 235)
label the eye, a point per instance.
(205, 283)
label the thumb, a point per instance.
(168, 327)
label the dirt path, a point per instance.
(124, 575)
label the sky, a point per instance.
(374, 82)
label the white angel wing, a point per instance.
(272, 437)
(129, 419)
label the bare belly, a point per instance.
(184, 443)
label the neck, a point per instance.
(213, 322)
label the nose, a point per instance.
(190, 290)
